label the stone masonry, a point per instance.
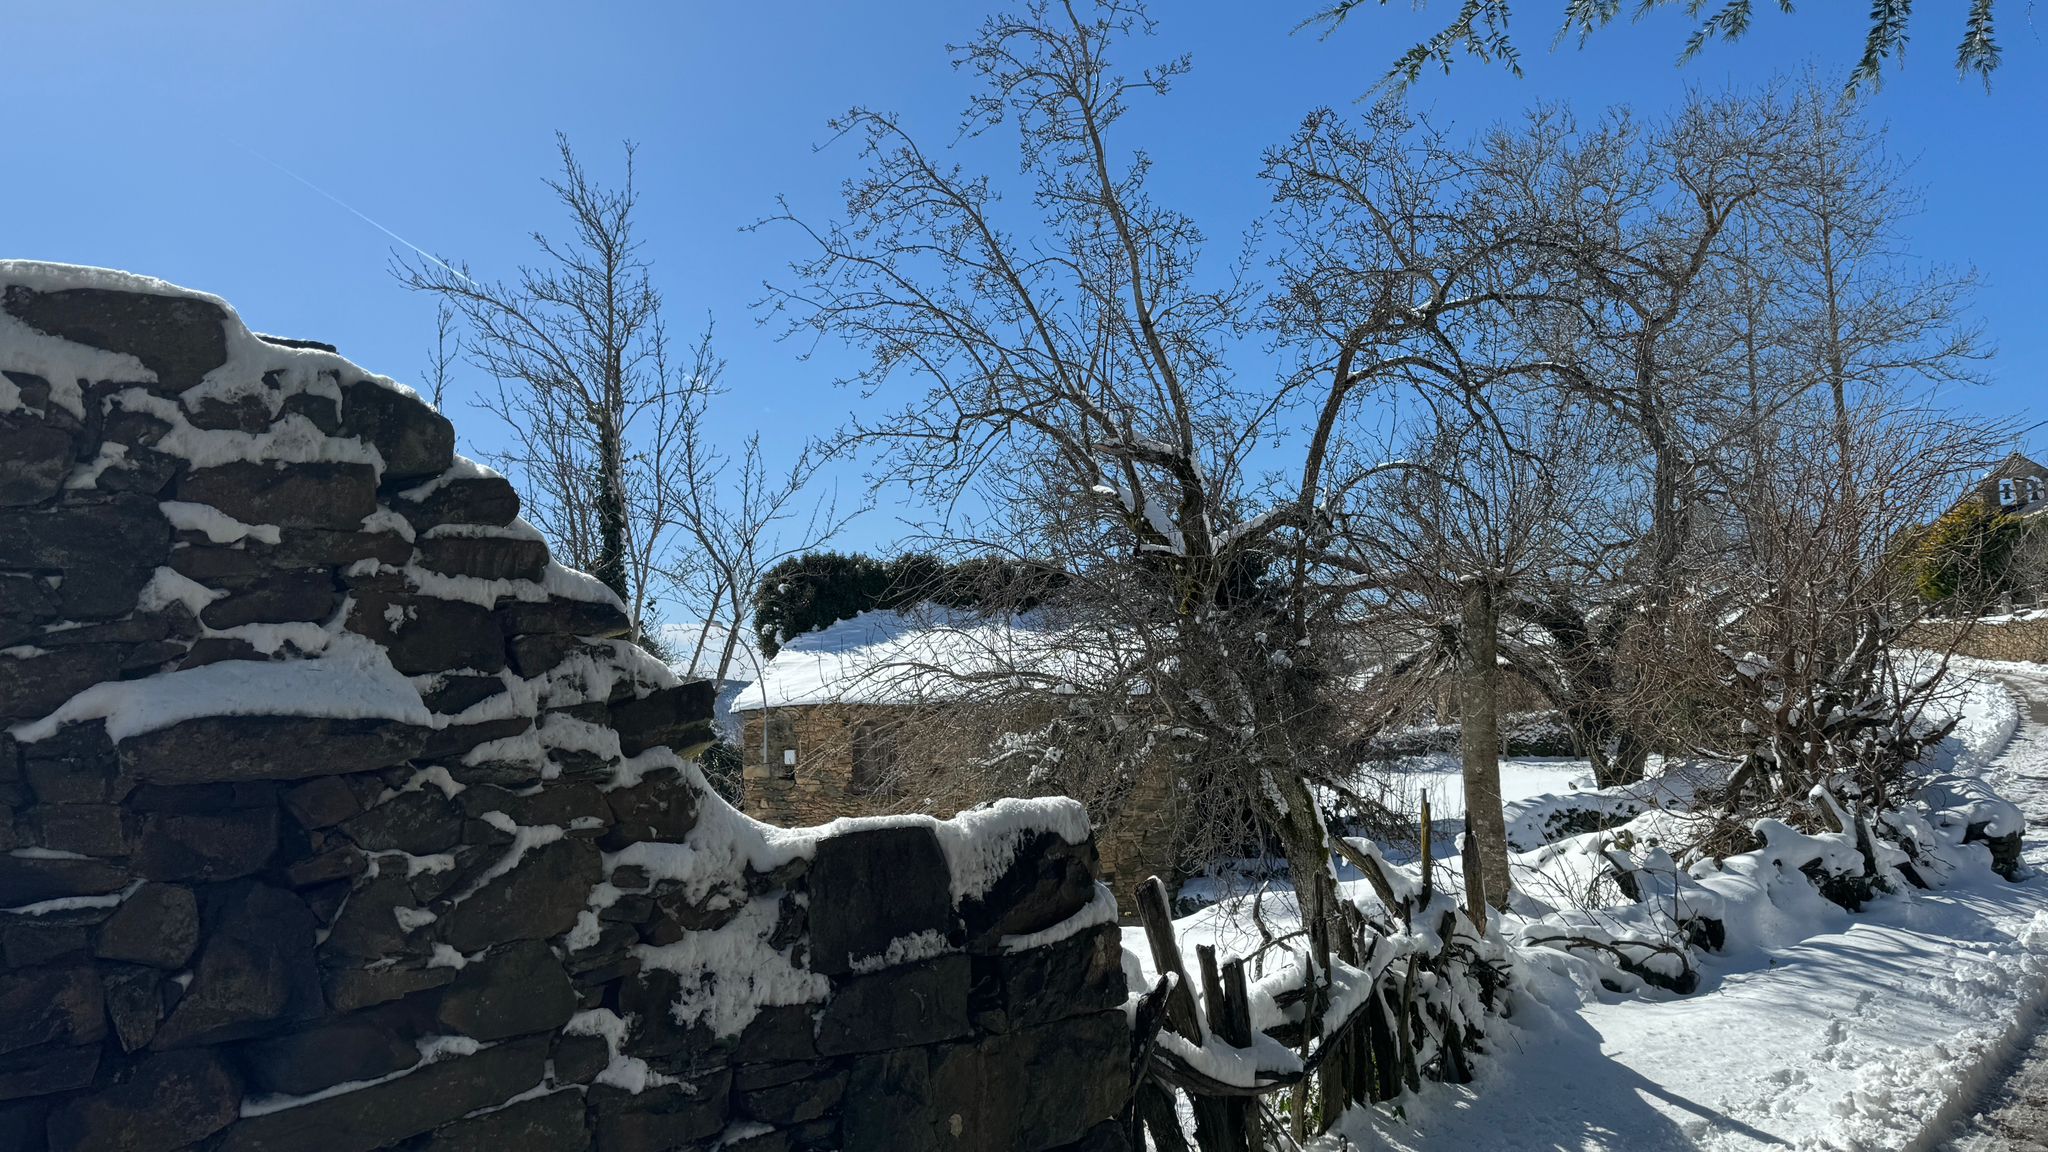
(337, 817)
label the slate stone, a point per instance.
(46, 1069)
(1032, 1089)
(517, 989)
(771, 1099)
(28, 879)
(485, 500)
(578, 1059)
(409, 1105)
(350, 989)
(217, 649)
(533, 654)
(1107, 1136)
(204, 849)
(661, 807)
(255, 969)
(32, 687)
(310, 495)
(873, 886)
(660, 1118)
(552, 1123)
(320, 411)
(300, 1063)
(456, 740)
(675, 717)
(1074, 977)
(338, 863)
(243, 412)
(283, 597)
(539, 898)
(1047, 882)
(135, 1003)
(35, 457)
(484, 557)
(421, 822)
(897, 1008)
(178, 338)
(889, 1102)
(456, 692)
(368, 924)
(106, 548)
(78, 765)
(424, 634)
(785, 1032)
(87, 829)
(415, 440)
(564, 617)
(55, 1005)
(157, 925)
(321, 802)
(559, 803)
(26, 941)
(268, 748)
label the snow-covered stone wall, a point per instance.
(337, 817)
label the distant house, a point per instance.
(909, 711)
(2019, 487)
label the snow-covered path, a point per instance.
(1877, 1031)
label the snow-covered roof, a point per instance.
(924, 653)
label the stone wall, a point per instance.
(338, 818)
(2023, 637)
(1133, 843)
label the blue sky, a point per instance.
(142, 135)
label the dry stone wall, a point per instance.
(2022, 637)
(337, 817)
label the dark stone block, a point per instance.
(420, 822)
(215, 649)
(32, 687)
(539, 898)
(322, 802)
(281, 598)
(34, 459)
(158, 925)
(320, 411)
(1077, 976)
(47, 1069)
(1032, 1089)
(559, 803)
(662, 806)
(888, 1101)
(22, 1125)
(368, 924)
(578, 1059)
(396, 1109)
(135, 1003)
(673, 717)
(897, 1008)
(27, 879)
(518, 989)
(78, 765)
(349, 989)
(563, 617)
(1048, 881)
(311, 495)
(87, 829)
(59, 1005)
(660, 1118)
(1108, 1136)
(552, 1123)
(535, 653)
(304, 1062)
(255, 971)
(244, 412)
(484, 557)
(780, 1033)
(761, 1093)
(268, 748)
(414, 440)
(454, 741)
(486, 500)
(339, 863)
(178, 338)
(226, 846)
(105, 548)
(874, 886)
(456, 693)
(423, 634)
(26, 941)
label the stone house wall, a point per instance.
(335, 817)
(2023, 639)
(804, 773)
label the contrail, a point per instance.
(354, 211)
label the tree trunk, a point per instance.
(1479, 734)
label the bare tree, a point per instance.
(577, 346)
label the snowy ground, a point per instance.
(1888, 1029)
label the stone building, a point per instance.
(2019, 487)
(908, 711)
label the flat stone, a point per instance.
(301, 1063)
(339, 863)
(420, 822)
(268, 748)
(106, 549)
(457, 692)
(788, 1102)
(662, 806)
(897, 1008)
(26, 941)
(350, 989)
(35, 457)
(87, 829)
(485, 500)
(135, 1003)
(414, 440)
(578, 1059)
(77, 765)
(784, 1032)
(874, 886)
(552, 1123)
(484, 557)
(255, 970)
(157, 925)
(29, 880)
(58, 1005)
(205, 849)
(517, 989)
(283, 597)
(539, 898)
(405, 1106)
(322, 802)
(561, 803)
(675, 717)
(368, 926)
(1047, 882)
(1036, 1088)
(244, 412)
(889, 1102)
(452, 742)
(32, 687)
(46, 1069)
(1077, 976)
(563, 616)
(178, 338)
(307, 495)
(660, 1118)
(424, 634)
